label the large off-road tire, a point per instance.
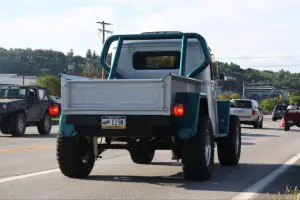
(75, 156)
(17, 125)
(142, 153)
(229, 148)
(44, 126)
(198, 152)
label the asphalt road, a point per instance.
(28, 170)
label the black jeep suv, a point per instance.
(22, 106)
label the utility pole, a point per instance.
(104, 31)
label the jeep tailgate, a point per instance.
(118, 96)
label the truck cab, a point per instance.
(159, 95)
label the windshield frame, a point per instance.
(13, 87)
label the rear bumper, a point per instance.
(293, 122)
(247, 119)
(136, 126)
(277, 116)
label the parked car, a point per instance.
(278, 112)
(23, 106)
(248, 112)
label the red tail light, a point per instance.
(53, 110)
(253, 112)
(178, 110)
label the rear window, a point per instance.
(156, 60)
(243, 104)
(281, 107)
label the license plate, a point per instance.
(113, 122)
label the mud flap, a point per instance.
(223, 109)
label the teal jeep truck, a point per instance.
(160, 95)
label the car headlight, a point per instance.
(4, 106)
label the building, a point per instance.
(14, 79)
(261, 92)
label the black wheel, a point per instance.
(142, 157)
(142, 153)
(75, 156)
(261, 124)
(274, 119)
(17, 125)
(286, 127)
(256, 124)
(44, 126)
(229, 148)
(198, 152)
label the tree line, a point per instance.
(43, 62)
(39, 62)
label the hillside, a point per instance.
(41, 62)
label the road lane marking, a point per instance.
(12, 178)
(2, 151)
(253, 191)
(49, 171)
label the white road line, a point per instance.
(13, 178)
(253, 191)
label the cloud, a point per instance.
(75, 28)
(232, 28)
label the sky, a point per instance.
(237, 31)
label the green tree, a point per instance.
(94, 56)
(88, 53)
(235, 96)
(52, 83)
(294, 98)
(224, 97)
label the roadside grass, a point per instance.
(289, 194)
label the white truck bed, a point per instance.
(121, 96)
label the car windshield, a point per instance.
(281, 107)
(243, 104)
(10, 92)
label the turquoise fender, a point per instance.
(65, 130)
(186, 125)
(223, 109)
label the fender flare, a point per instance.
(194, 104)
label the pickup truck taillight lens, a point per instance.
(253, 112)
(178, 110)
(53, 110)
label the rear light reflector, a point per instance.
(253, 112)
(178, 110)
(53, 110)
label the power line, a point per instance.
(104, 31)
(278, 65)
(258, 57)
